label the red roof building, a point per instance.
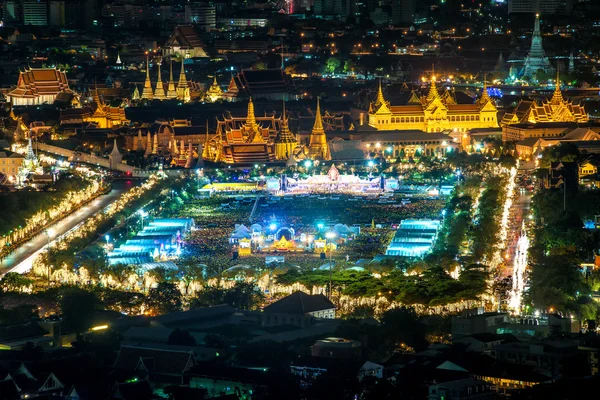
(39, 86)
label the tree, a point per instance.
(209, 296)
(401, 326)
(164, 299)
(181, 338)
(20, 313)
(14, 282)
(244, 296)
(332, 64)
(77, 307)
(349, 66)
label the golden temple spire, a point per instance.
(484, 93)
(318, 126)
(159, 92)
(182, 77)
(171, 92)
(380, 99)
(250, 118)
(557, 97)
(147, 92)
(284, 135)
(183, 91)
(433, 93)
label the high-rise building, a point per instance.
(539, 6)
(341, 8)
(57, 13)
(35, 12)
(403, 11)
(202, 15)
(12, 11)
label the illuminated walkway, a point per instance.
(22, 258)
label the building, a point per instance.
(285, 141)
(414, 238)
(432, 113)
(270, 84)
(159, 366)
(535, 144)
(203, 16)
(476, 321)
(539, 6)
(167, 132)
(214, 92)
(10, 165)
(480, 342)
(184, 41)
(462, 389)
(338, 348)
(298, 309)
(56, 17)
(557, 109)
(334, 8)
(242, 22)
(402, 12)
(552, 357)
(536, 58)
(35, 12)
(38, 86)
(12, 11)
(245, 142)
(105, 116)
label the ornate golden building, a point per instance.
(214, 92)
(433, 113)
(105, 116)
(243, 142)
(557, 109)
(285, 141)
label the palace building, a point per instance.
(184, 41)
(38, 86)
(432, 113)
(557, 109)
(271, 84)
(105, 116)
(239, 141)
(214, 92)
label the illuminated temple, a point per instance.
(243, 141)
(39, 86)
(432, 113)
(254, 139)
(557, 109)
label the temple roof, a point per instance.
(40, 81)
(185, 36)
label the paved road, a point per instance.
(519, 212)
(22, 258)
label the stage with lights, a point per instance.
(280, 237)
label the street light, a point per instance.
(142, 214)
(330, 235)
(198, 172)
(107, 239)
